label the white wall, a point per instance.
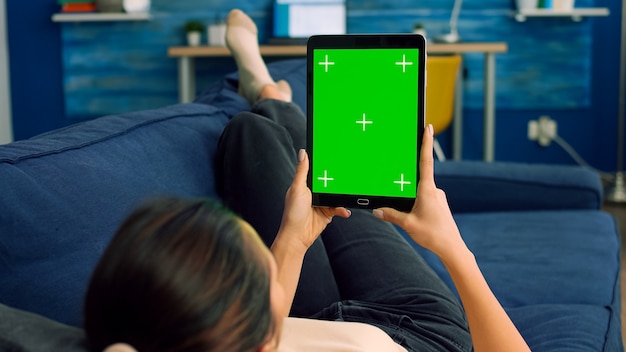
(6, 129)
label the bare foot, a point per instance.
(279, 91)
(242, 41)
(285, 88)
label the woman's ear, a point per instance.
(120, 347)
(269, 346)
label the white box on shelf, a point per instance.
(217, 34)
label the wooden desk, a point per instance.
(187, 84)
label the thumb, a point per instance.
(392, 215)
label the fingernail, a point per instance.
(431, 130)
(301, 155)
(377, 213)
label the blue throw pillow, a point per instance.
(63, 195)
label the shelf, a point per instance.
(575, 14)
(300, 50)
(100, 17)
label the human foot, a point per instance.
(279, 91)
(242, 41)
(285, 89)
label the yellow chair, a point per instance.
(441, 80)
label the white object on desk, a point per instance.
(453, 36)
(216, 34)
(194, 38)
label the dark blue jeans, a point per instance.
(360, 269)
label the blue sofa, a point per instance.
(550, 255)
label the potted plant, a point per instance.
(194, 31)
(526, 4)
(418, 28)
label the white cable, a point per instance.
(577, 158)
(441, 156)
(454, 19)
(569, 150)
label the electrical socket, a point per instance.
(543, 130)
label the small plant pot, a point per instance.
(527, 4)
(418, 28)
(193, 38)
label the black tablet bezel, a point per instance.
(364, 41)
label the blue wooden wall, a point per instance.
(114, 67)
(554, 66)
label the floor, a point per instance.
(619, 211)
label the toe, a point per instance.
(239, 18)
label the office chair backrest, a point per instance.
(440, 90)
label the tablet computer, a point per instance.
(365, 119)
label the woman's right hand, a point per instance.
(430, 222)
(431, 225)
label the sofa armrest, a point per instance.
(481, 187)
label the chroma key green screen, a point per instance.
(365, 122)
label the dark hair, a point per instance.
(180, 275)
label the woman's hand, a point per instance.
(430, 222)
(300, 227)
(301, 221)
(431, 225)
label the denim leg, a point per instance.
(256, 160)
(384, 282)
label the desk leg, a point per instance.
(186, 79)
(457, 121)
(489, 117)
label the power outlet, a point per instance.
(543, 130)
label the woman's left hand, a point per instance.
(302, 221)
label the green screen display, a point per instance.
(365, 122)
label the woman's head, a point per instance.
(181, 275)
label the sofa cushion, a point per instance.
(63, 195)
(564, 328)
(546, 267)
(517, 186)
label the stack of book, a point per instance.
(77, 5)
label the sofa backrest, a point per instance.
(63, 195)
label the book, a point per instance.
(79, 7)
